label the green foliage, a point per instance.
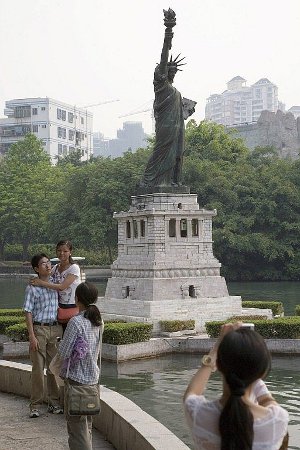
(126, 333)
(176, 325)
(6, 321)
(247, 318)
(281, 328)
(17, 332)
(12, 312)
(276, 307)
(297, 310)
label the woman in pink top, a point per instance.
(246, 417)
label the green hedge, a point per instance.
(12, 312)
(126, 333)
(17, 332)
(297, 310)
(276, 307)
(281, 328)
(6, 321)
(176, 325)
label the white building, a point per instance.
(61, 127)
(241, 104)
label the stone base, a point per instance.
(199, 309)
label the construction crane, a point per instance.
(102, 103)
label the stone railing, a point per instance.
(121, 421)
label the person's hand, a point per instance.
(225, 329)
(33, 344)
(35, 281)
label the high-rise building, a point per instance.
(61, 127)
(241, 104)
(130, 137)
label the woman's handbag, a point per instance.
(66, 312)
(83, 399)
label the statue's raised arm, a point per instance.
(170, 22)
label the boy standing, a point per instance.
(40, 308)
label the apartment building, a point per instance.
(241, 104)
(62, 128)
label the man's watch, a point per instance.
(209, 361)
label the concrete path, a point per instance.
(47, 432)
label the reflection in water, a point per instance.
(157, 385)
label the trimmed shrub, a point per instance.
(297, 310)
(126, 333)
(6, 321)
(176, 325)
(17, 332)
(276, 307)
(247, 318)
(280, 328)
(12, 312)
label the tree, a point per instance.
(27, 192)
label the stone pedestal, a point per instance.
(165, 268)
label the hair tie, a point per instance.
(238, 392)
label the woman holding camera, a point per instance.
(246, 417)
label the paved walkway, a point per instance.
(47, 432)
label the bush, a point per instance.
(247, 318)
(276, 307)
(297, 310)
(176, 325)
(6, 321)
(17, 332)
(281, 328)
(12, 312)
(126, 333)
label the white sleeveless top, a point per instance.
(67, 296)
(203, 419)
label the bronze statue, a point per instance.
(165, 164)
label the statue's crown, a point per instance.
(176, 62)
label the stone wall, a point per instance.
(280, 130)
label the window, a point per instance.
(172, 227)
(143, 228)
(43, 108)
(44, 126)
(61, 132)
(192, 292)
(58, 113)
(135, 229)
(70, 117)
(63, 115)
(34, 111)
(71, 135)
(81, 120)
(35, 128)
(71, 149)
(128, 229)
(183, 228)
(59, 147)
(65, 150)
(195, 227)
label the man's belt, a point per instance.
(45, 324)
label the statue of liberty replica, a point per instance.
(165, 267)
(170, 110)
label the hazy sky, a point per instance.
(92, 51)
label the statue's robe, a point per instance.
(165, 163)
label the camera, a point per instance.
(249, 326)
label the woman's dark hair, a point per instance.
(242, 358)
(69, 245)
(87, 295)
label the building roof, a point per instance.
(237, 78)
